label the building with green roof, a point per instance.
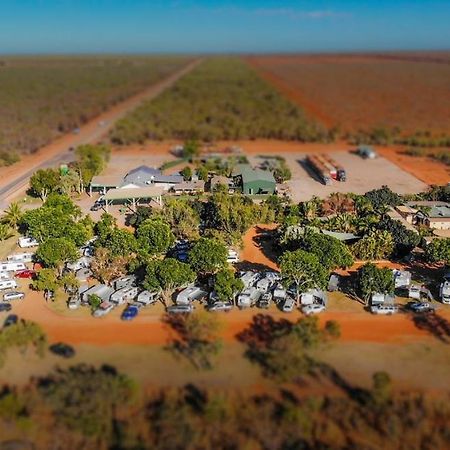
(254, 181)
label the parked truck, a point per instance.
(319, 169)
(338, 172)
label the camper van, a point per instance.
(10, 266)
(26, 242)
(191, 293)
(288, 305)
(279, 294)
(21, 257)
(124, 295)
(248, 297)
(8, 284)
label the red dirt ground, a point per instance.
(365, 91)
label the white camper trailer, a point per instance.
(146, 298)
(191, 293)
(123, 282)
(279, 294)
(8, 284)
(249, 278)
(10, 266)
(27, 242)
(248, 297)
(402, 278)
(21, 257)
(124, 295)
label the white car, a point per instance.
(288, 305)
(74, 303)
(180, 309)
(315, 308)
(221, 306)
(384, 309)
(13, 295)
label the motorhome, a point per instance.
(8, 284)
(264, 284)
(191, 293)
(248, 297)
(27, 242)
(11, 266)
(123, 282)
(21, 257)
(249, 278)
(445, 292)
(124, 295)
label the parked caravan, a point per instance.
(21, 257)
(414, 291)
(6, 275)
(147, 298)
(101, 290)
(8, 284)
(124, 295)
(191, 293)
(264, 284)
(248, 297)
(249, 278)
(27, 242)
(123, 282)
(11, 266)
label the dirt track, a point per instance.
(15, 179)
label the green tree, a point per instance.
(46, 280)
(44, 182)
(303, 270)
(5, 232)
(119, 242)
(13, 215)
(438, 250)
(186, 172)
(208, 256)
(183, 219)
(91, 160)
(203, 173)
(141, 214)
(56, 252)
(226, 285)
(405, 240)
(383, 198)
(94, 301)
(106, 267)
(154, 237)
(191, 149)
(374, 246)
(331, 252)
(63, 204)
(167, 276)
(372, 279)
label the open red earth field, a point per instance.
(365, 91)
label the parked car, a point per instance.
(221, 306)
(74, 302)
(63, 350)
(26, 273)
(103, 309)
(288, 305)
(180, 309)
(384, 309)
(13, 295)
(4, 307)
(130, 312)
(419, 307)
(12, 319)
(315, 308)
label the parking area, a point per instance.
(362, 175)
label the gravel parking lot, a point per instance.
(362, 176)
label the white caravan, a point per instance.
(21, 257)
(445, 292)
(8, 284)
(10, 266)
(124, 295)
(191, 293)
(248, 297)
(27, 242)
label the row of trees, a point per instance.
(231, 102)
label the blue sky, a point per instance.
(146, 26)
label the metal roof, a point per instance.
(141, 174)
(249, 174)
(124, 194)
(107, 181)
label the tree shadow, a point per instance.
(248, 265)
(434, 324)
